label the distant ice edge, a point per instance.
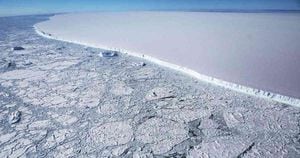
(232, 86)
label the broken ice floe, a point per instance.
(4, 64)
(14, 117)
(108, 54)
(140, 64)
(26, 63)
(11, 64)
(159, 93)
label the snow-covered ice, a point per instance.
(69, 102)
(254, 53)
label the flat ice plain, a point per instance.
(256, 50)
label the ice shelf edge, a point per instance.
(232, 86)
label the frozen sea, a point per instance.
(255, 53)
(59, 99)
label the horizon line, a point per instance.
(169, 10)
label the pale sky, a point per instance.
(20, 7)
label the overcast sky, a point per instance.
(19, 7)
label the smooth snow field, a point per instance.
(256, 50)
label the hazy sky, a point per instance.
(17, 7)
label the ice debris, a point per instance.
(159, 93)
(140, 64)
(108, 54)
(11, 64)
(14, 117)
(26, 63)
(7, 64)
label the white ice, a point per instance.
(254, 53)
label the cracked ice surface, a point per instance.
(62, 100)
